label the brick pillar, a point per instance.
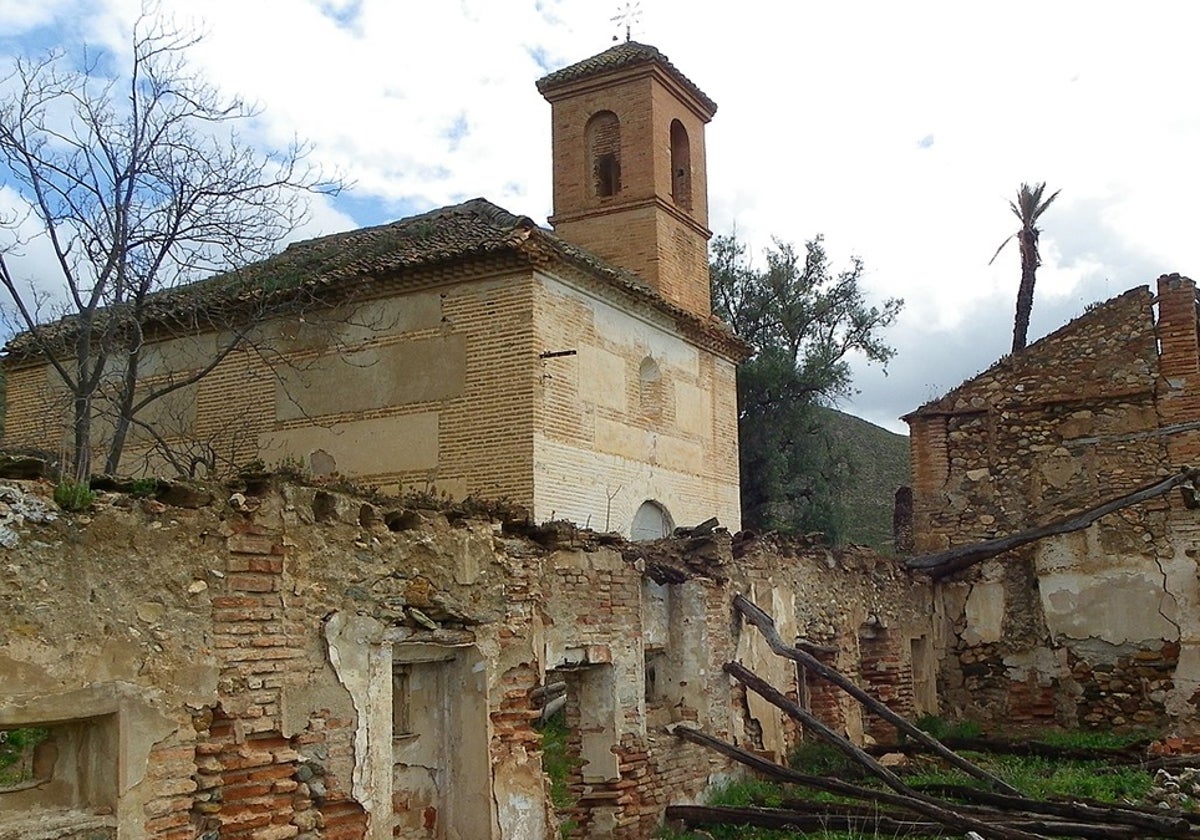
(887, 677)
(1178, 392)
(929, 461)
(255, 784)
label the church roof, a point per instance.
(627, 54)
(442, 237)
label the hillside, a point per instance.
(878, 464)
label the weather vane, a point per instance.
(629, 16)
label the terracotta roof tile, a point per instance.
(628, 54)
(475, 228)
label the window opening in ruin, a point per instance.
(656, 664)
(69, 767)
(18, 757)
(650, 389)
(401, 703)
(803, 689)
(651, 522)
(681, 166)
(603, 138)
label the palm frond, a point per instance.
(1010, 238)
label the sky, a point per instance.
(899, 131)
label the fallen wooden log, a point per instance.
(766, 625)
(1021, 807)
(879, 825)
(1162, 824)
(762, 688)
(696, 815)
(1132, 754)
(947, 818)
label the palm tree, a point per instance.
(1028, 207)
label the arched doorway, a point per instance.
(651, 522)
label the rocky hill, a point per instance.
(878, 464)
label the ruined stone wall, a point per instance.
(878, 616)
(1094, 628)
(302, 663)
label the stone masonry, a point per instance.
(1095, 628)
(301, 663)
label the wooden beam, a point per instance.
(766, 625)
(953, 560)
(947, 818)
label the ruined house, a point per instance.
(1097, 627)
(468, 351)
(292, 662)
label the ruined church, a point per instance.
(467, 351)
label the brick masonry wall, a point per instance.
(641, 228)
(258, 723)
(588, 409)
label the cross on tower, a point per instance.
(629, 15)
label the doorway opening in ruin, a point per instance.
(924, 676)
(440, 764)
(578, 737)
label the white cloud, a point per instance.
(825, 115)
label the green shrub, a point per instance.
(557, 761)
(820, 758)
(16, 745)
(143, 488)
(73, 495)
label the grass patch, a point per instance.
(942, 729)
(558, 764)
(820, 758)
(1092, 739)
(1040, 778)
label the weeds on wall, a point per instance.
(73, 496)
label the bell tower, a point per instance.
(629, 178)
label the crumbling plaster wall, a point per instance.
(250, 659)
(1095, 628)
(867, 607)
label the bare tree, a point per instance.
(1028, 207)
(140, 184)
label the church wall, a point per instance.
(428, 391)
(650, 416)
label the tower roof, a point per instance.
(627, 54)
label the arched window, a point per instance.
(603, 137)
(650, 389)
(651, 522)
(681, 166)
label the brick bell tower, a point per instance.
(629, 178)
